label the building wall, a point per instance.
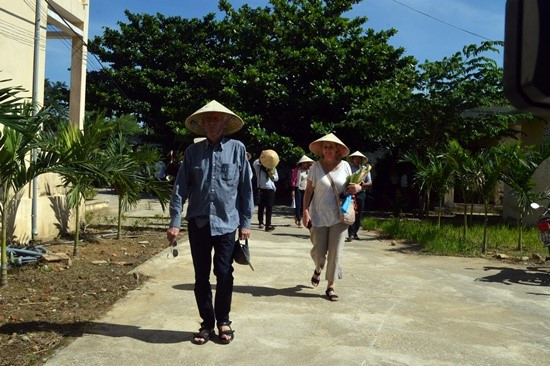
(17, 34)
(17, 44)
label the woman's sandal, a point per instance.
(203, 336)
(331, 294)
(228, 332)
(315, 278)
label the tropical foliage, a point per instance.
(134, 174)
(521, 164)
(81, 163)
(294, 70)
(17, 143)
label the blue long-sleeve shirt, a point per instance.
(216, 181)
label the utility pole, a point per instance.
(35, 88)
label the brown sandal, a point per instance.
(315, 279)
(203, 336)
(331, 295)
(228, 332)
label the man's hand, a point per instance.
(172, 234)
(244, 234)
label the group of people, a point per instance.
(215, 179)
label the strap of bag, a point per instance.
(335, 192)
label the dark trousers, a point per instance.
(202, 242)
(266, 201)
(299, 200)
(360, 199)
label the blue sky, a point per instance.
(422, 36)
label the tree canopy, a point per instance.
(293, 70)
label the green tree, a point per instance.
(134, 174)
(292, 70)
(432, 174)
(56, 99)
(521, 162)
(491, 166)
(81, 162)
(17, 140)
(467, 175)
(457, 98)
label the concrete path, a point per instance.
(395, 308)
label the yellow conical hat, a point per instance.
(194, 121)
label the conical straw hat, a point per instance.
(269, 159)
(194, 121)
(358, 153)
(316, 146)
(304, 159)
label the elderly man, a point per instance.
(215, 178)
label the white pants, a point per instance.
(328, 245)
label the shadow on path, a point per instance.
(531, 276)
(259, 291)
(299, 236)
(78, 329)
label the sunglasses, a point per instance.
(174, 249)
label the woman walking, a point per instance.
(321, 209)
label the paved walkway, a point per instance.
(396, 308)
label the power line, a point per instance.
(442, 21)
(103, 68)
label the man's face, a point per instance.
(214, 124)
(357, 160)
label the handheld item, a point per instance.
(241, 253)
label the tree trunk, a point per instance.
(439, 213)
(485, 222)
(119, 228)
(465, 230)
(4, 264)
(428, 204)
(520, 231)
(76, 230)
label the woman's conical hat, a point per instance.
(194, 121)
(269, 159)
(316, 146)
(305, 159)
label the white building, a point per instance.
(67, 19)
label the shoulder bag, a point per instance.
(347, 217)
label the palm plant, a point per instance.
(80, 154)
(521, 164)
(17, 140)
(133, 175)
(466, 173)
(432, 174)
(490, 163)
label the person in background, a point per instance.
(265, 179)
(160, 170)
(172, 167)
(215, 179)
(321, 209)
(357, 160)
(298, 182)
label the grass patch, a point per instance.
(447, 240)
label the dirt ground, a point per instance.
(47, 304)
